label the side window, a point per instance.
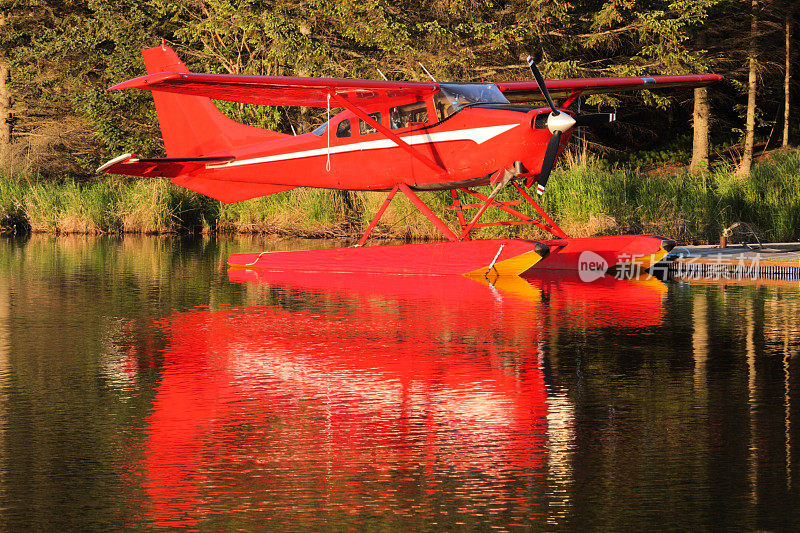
(366, 129)
(343, 129)
(415, 114)
(444, 108)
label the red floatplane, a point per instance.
(397, 137)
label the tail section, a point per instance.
(195, 134)
(192, 126)
(182, 172)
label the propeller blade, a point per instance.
(549, 161)
(542, 87)
(594, 119)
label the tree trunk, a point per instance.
(787, 76)
(5, 108)
(700, 125)
(749, 139)
(5, 116)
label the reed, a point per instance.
(586, 200)
(591, 200)
(155, 206)
(312, 212)
(402, 220)
(12, 212)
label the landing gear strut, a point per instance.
(502, 179)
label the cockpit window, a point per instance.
(402, 116)
(453, 97)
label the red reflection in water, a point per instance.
(368, 395)
(604, 302)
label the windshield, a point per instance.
(464, 94)
(453, 97)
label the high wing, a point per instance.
(521, 91)
(281, 90)
(313, 92)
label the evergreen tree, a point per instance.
(58, 59)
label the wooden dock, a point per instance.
(771, 261)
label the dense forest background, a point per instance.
(58, 57)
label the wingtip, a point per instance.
(123, 85)
(105, 166)
(146, 81)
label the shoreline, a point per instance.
(587, 201)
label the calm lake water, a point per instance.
(142, 386)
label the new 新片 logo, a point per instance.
(591, 266)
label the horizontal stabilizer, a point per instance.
(130, 165)
(180, 169)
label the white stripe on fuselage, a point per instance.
(478, 135)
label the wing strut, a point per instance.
(388, 133)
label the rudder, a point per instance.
(192, 125)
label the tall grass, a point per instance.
(584, 201)
(65, 207)
(12, 212)
(689, 207)
(153, 206)
(314, 212)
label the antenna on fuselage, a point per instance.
(426, 72)
(381, 73)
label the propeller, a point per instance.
(549, 161)
(542, 87)
(559, 122)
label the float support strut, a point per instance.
(554, 229)
(419, 204)
(377, 216)
(459, 212)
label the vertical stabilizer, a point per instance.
(193, 126)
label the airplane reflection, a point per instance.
(399, 394)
